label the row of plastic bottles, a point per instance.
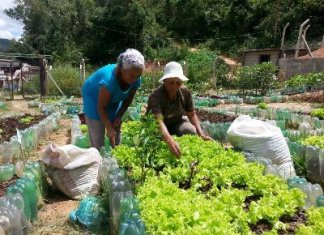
(12, 217)
(130, 219)
(63, 106)
(205, 101)
(314, 192)
(217, 131)
(19, 206)
(123, 207)
(283, 171)
(28, 139)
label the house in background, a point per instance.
(258, 56)
(284, 59)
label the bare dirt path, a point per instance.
(53, 214)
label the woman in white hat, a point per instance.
(172, 105)
(107, 94)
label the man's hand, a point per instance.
(174, 147)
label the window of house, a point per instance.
(264, 58)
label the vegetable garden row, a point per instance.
(209, 190)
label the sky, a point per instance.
(9, 28)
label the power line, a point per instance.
(20, 55)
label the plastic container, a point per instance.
(90, 213)
(83, 141)
(19, 169)
(132, 227)
(313, 163)
(315, 193)
(6, 172)
(320, 201)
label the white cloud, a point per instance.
(9, 28)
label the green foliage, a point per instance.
(199, 68)
(219, 182)
(263, 105)
(26, 120)
(300, 164)
(216, 182)
(315, 222)
(144, 137)
(309, 79)
(100, 30)
(259, 77)
(84, 128)
(318, 113)
(317, 141)
(32, 86)
(67, 78)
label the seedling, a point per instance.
(26, 120)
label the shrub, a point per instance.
(309, 79)
(199, 68)
(318, 113)
(67, 78)
(259, 77)
(317, 141)
(263, 105)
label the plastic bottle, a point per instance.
(19, 169)
(4, 225)
(6, 172)
(129, 228)
(315, 193)
(320, 201)
(313, 163)
(90, 212)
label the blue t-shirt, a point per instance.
(105, 77)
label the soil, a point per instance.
(9, 125)
(5, 185)
(292, 221)
(250, 199)
(204, 115)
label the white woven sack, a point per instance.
(78, 182)
(262, 139)
(73, 170)
(69, 156)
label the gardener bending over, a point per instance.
(172, 105)
(107, 94)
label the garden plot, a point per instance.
(208, 190)
(9, 125)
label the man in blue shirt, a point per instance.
(107, 94)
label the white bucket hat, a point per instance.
(173, 70)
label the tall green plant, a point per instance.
(199, 68)
(259, 78)
(67, 78)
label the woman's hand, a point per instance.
(117, 122)
(206, 137)
(111, 135)
(174, 147)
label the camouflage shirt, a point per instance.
(172, 110)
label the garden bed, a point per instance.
(9, 125)
(213, 117)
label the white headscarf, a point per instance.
(131, 58)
